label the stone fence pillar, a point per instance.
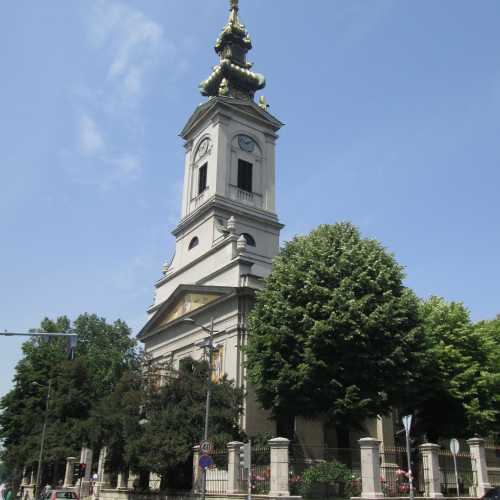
(122, 480)
(279, 467)
(432, 473)
(479, 465)
(233, 467)
(86, 458)
(371, 485)
(68, 474)
(196, 469)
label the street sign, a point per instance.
(206, 447)
(205, 462)
(455, 448)
(407, 423)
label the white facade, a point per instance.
(225, 241)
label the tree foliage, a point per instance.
(334, 332)
(103, 352)
(170, 405)
(460, 383)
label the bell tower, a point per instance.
(229, 230)
(228, 233)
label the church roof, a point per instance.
(233, 76)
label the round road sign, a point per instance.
(206, 447)
(454, 446)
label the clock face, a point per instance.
(246, 143)
(202, 149)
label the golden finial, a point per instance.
(234, 4)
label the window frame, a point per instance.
(202, 186)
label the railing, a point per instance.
(302, 457)
(394, 473)
(247, 197)
(261, 470)
(216, 476)
(494, 477)
(466, 477)
(200, 199)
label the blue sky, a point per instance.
(392, 112)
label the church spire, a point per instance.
(233, 77)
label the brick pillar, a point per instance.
(196, 469)
(233, 467)
(279, 467)
(68, 475)
(371, 484)
(479, 465)
(432, 474)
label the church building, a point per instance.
(229, 231)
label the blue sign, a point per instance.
(205, 462)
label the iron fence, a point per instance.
(302, 457)
(261, 470)
(216, 476)
(465, 471)
(394, 473)
(494, 477)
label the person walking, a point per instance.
(2, 491)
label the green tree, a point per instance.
(460, 386)
(103, 352)
(170, 405)
(334, 333)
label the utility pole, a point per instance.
(42, 443)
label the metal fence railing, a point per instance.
(394, 472)
(216, 476)
(302, 457)
(494, 477)
(261, 470)
(466, 476)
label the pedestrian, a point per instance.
(2, 491)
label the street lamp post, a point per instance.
(42, 442)
(207, 344)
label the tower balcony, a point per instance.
(246, 197)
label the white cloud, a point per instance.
(126, 48)
(90, 138)
(132, 44)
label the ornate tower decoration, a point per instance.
(233, 77)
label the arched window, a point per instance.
(250, 239)
(193, 243)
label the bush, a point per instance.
(327, 480)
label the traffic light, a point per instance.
(246, 456)
(81, 470)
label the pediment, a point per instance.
(184, 301)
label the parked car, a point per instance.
(60, 495)
(493, 494)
